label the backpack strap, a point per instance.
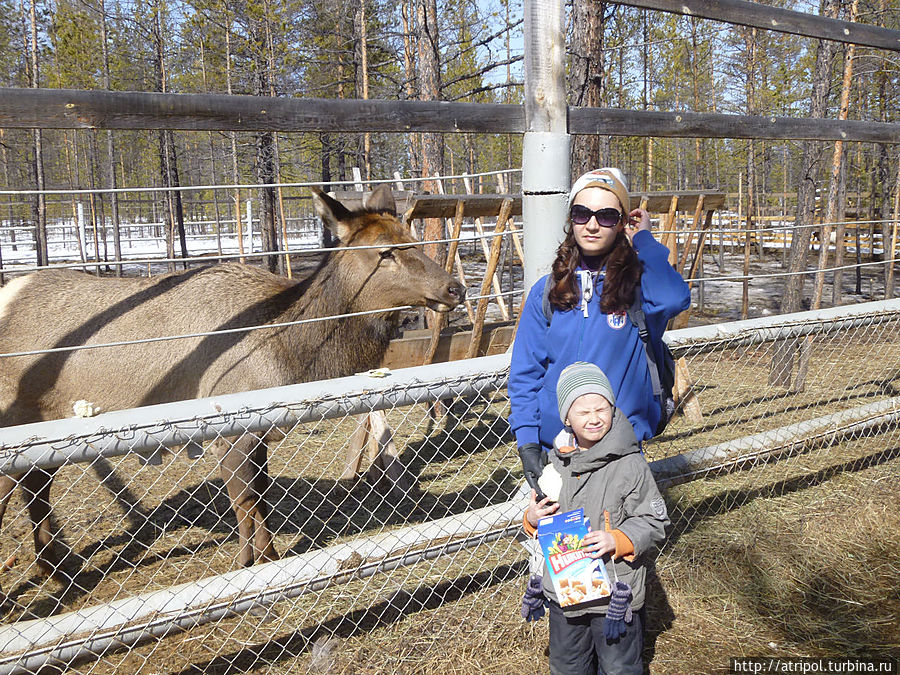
(636, 314)
(545, 299)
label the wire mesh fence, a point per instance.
(398, 548)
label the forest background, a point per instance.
(457, 50)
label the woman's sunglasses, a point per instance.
(608, 217)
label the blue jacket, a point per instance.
(540, 352)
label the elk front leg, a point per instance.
(243, 467)
(36, 484)
(7, 485)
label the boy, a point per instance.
(602, 471)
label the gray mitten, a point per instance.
(619, 611)
(533, 601)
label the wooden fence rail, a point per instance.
(758, 15)
(76, 109)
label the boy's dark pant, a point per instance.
(578, 646)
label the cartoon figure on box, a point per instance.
(577, 577)
(594, 578)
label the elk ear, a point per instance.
(333, 214)
(382, 199)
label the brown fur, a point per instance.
(56, 308)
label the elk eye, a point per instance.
(386, 253)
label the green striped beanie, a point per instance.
(577, 380)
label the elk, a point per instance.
(61, 308)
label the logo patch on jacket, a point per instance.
(616, 321)
(659, 506)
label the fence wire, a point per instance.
(409, 562)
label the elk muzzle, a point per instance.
(451, 295)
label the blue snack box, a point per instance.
(576, 577)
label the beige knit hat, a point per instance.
(608, 178)
(577, 380)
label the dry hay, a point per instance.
(758, 558)
(795, 562)
(847, 369)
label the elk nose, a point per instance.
(457, 290)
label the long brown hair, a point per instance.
(623, 275)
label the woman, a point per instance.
(608, 255)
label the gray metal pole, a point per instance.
(190, 423)
(545, 147)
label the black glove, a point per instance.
(533, 460)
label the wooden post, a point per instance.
(685, 399)
(721, 245)
(470, 311)
(439, 319)
(521, 253)
(284, 235)
(890, 255)
(515, 239)
(353, 456)
(239, 224)
(670, 240)
(385, 464)
(697, 263)
(681, 321)
(494, 257)
(698, 214)
(748, 223)
(495, 282)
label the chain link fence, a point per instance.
(399, 548)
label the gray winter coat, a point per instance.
(612, 476)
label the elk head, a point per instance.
(394, 271)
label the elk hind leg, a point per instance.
(245, 478)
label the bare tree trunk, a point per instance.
(409, 69)
(110, 149)
(265, 175)
(265, 148)
(168, 155)
(39, 206)
(174, 181)
(8, 183)
(834, 191)
(884, 169)
(212, 156)
(781, 369)
(97, 197)
(587, 80)
(792, 300)
(750, 37)
(235, 175)
(363, 80)
(430, 90)
(751, 205)
(645, 64)
(699, 180)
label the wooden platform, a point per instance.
(413, 205)
(410, 349)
